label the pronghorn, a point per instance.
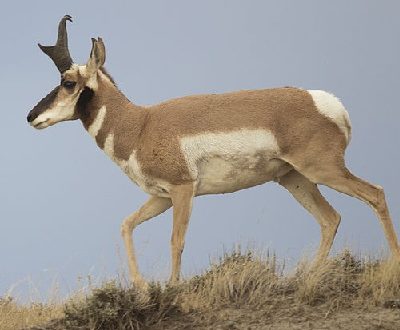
(211, 144)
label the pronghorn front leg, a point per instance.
(182, 200)
(153, 207)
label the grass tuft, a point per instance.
(240, 286)
(114, 307)
(16, 316)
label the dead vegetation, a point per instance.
(240, 291)
(15, 316)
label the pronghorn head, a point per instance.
(62, 102)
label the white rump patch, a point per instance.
(94, 128)
(331, 107)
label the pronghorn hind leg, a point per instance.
(335, 175)
(153, 207)
(374, 196)
(309, 196)
(182, 200)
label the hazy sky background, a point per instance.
(62, 200)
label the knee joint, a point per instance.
(127, 226)
(333, 223)
(337, 218)
(380, 196)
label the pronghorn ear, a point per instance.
(97, 56)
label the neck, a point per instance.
(109, 116)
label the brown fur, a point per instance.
(309, 196)
(182, 199)
(311, 145)
(289, 113)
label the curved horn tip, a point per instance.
(44, 48)
(68, 17)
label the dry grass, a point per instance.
(240, 291)
(16, 316)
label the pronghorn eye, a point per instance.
(68, 84)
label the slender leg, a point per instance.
(374, 196)
(153, 207)
(308, 195)
(331, 171)
(182, 200)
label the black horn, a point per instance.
(59, 53)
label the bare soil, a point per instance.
(288, 317)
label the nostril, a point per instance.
(29, 118)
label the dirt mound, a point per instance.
(244, 291)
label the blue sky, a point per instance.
(63, 200)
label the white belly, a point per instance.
(227, 162)
(217, 162)
(223, 175)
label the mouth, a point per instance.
(41, 124)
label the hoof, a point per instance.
(140, 283)
(173, 281)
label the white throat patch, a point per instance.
(62, 110)
(94, 128)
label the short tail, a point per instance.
(331, 107)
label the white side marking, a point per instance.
(94, 128)
(242, 143)
(131, 166)
(153, 186)
(331, 107)
(109, 146)
(132, 169)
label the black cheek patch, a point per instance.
(82, 105)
